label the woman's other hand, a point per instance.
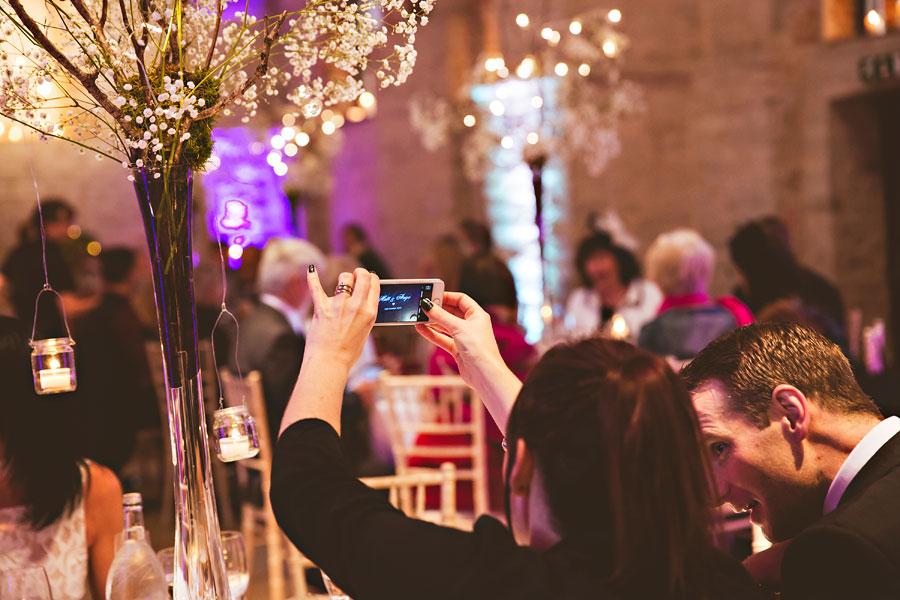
(341, 323)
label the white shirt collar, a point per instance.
(293, 315)
(857, 459)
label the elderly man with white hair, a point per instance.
(681, 263)
(272, 337)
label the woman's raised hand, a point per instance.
(341, 323)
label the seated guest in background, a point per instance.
(25, 274)
(488, 281)
(444, 261)
(272, 336)
(57, 510)
(795, 441)
(610, 284)
(114, 376)
(770, 272)
(681, 263)
(357, 245)
(476, 238)
(608, 503)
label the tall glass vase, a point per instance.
(164, 196)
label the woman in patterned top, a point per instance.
(57, 511)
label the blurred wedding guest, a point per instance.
(769, 272)
(273, 334)
(611, 284)
(588, 464)
(488, 282)
(444, 261)
(795, 441)
(58, 511)
(113, 371)
(356, 244)
(681, 263)
(24, 271)
(476, 238)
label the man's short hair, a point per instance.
(751, 361)
(117, 264)
(52, 210)
(478, 234)
(283, 258)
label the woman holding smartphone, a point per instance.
(606, 502)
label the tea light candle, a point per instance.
(55, 379)
(235, 433)
(234, 447)
(53, 365)
(618, 327)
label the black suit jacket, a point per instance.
(852, 552)
(269, 345)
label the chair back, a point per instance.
(401, 488)
(259, 519)
(436, 417)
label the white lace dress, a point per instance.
(61, 548)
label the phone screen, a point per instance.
(399, 302)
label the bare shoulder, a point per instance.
(102, 501)
(103, 485)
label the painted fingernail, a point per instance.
(312, 268)
(426, 304)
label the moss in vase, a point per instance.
(197, 148)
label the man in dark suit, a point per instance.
(272, 337)
(795, 441)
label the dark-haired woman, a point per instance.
(607, 486)
(57, 511)
(611, 284)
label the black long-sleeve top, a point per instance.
(373, 552)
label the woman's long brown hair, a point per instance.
(617, 441)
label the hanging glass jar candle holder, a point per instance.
(235, 432)
(53, 365)
(52, 359)
(234, 428)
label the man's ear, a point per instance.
(522, 471)
(792, 410)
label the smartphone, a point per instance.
(399, 302)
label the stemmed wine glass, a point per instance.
(334, 591)
(25, 584)
(235, 563)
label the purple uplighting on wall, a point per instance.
(245, 202)
(355, 198)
